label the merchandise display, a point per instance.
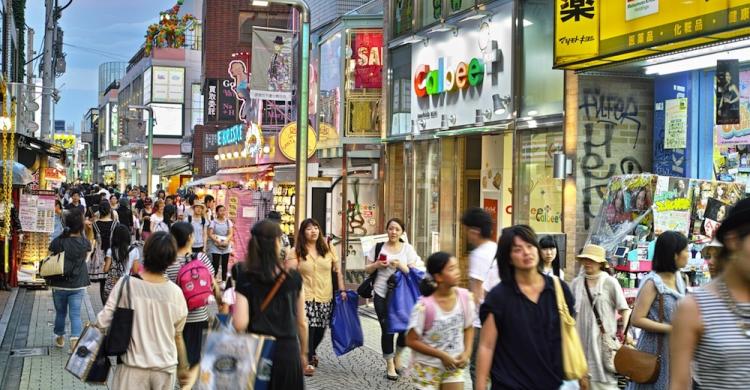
(283, 201)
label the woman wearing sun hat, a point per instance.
(711, 334)
(594, 289)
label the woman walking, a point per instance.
(711, 331)
(197, 319)
(145, 217)
(316, 262)
(550, 257)
(198, 220)
(157, 350)
(125, 215)
(120, 260)
(521, 345)
(157, 218)
(103, 228)
(442, 340)
(68, 291)
(385, 259)
(656, 301)
(220, 232)
(284, 317)
(599, 298)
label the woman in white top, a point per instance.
(221, 234)
(608, 299)
(157, 349)
(385, 259)
(157, 218)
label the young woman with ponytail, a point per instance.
(441, 331)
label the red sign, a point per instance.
(490, 206)
(53, 174)
(368, 59)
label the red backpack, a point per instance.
(196, 283)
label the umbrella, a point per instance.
(21, 174)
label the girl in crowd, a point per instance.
(711, 331)
(385, 259)
(157, 349)
(197, 319)
(199, 222)
(550, 257)
(441, 330)
(599, 298)
(284, 317)
(113, 202)
(316, 262)
(220, 231)
(121, 259)
(157, 218)
(145, 217)
(68, 292)
(662, 287)
(103, 228)
(512, 351)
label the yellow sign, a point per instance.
(576, 29)
(67, 141)
(288, 141)
(327, 136)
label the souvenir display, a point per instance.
(284, 197)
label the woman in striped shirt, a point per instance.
(711, 330)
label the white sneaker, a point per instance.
(59, 341)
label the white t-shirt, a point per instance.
(157, 224)
(446, 333)
(132, 257)
(480, 266)
(407, 254)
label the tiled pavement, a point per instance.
(30, 326)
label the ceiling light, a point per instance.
(697, 59)
(260, 3)
(527, 23)
(236, 154)
(266, 149)
(216, 157)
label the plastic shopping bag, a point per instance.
(402, 299)
(346, 330)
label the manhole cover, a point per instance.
(29, 352)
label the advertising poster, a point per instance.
(36, 213)
(727, 92)
(707, 199)
(490, 206)
(675, 123)
(367, 53)
(238, 204)
(271, 65)
(672, 211)
(738, 134)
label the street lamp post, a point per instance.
(150, 137)
(303, 96)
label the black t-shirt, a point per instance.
(528, 353)
(280, 318)
(146, 222)
(105, 231)
(139, 205)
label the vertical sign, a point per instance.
(576, 29)
(271, 65)
(727, 92)
(675, 123)
(367, 54)
(227, 102)
(490, 206)
(212, 100)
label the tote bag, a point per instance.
(574, 361)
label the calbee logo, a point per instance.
(434, 81)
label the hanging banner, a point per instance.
(367, 53)
(727, 92)
(576, 29)
(675, 123)
(271, 65)
(738, 134)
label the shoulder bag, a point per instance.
(608, 344)
(638, 366)
(53, 265)
(574, 360)
(365, 289)
(88, 362)
(120, 331)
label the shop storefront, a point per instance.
(473, 120)
(658, 86)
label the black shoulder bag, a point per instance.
(365, 289)
(121, 329)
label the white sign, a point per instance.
(168, 85)
(36, 213)
(147, 86)
(635, 9)
(675, 123)
(454, 77)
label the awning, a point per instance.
(245, 170)
(236, 175)
(206, 181)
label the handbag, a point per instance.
(608, 345)
(365, 289)
(638, 366)
(120, 331)
(574, 360)
(88, 362)
(53, 265)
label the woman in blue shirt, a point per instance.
(58, 225)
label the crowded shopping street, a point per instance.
(375, 194)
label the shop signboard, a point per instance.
(454, 76)
(271, 65)
(635, 9)
(168, 84)
(288, 141)
(230, 135)
(367, 54)
(211, 105)
(576, 28)
(54, 174)
(738, 134)
(227, 102)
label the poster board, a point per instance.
(36, 212)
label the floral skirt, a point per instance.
(318, 313)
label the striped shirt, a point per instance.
(200, 314)
(722, 357)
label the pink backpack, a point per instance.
(196, 283)
(430, 306)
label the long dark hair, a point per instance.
(262, 255)
(549, 242)
(120, 243)
(667, 246)
(104, 209)
(301, 241)
(170, 214)
(505, 247)
(435, 264)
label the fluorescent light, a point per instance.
(699, 62)
(260, 3)
(172, 156)
(527, 23)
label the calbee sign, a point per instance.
(434, 81)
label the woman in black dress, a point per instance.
(284, 318)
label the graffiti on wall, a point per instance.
(603, 116)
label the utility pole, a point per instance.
(48, 74)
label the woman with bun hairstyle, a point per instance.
(441, 330)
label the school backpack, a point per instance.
(430, 306)
(196, 283)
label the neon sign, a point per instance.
(230, 135)
(428, 81)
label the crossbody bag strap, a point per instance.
(271, 294)
(593, 307)
(661, 319)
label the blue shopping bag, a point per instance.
(346, 330)
(402, 298)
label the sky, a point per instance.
(95, 31)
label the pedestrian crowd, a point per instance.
(518, 325)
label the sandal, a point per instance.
(391, 377)
(309, 370)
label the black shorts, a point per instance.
(193, 336)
